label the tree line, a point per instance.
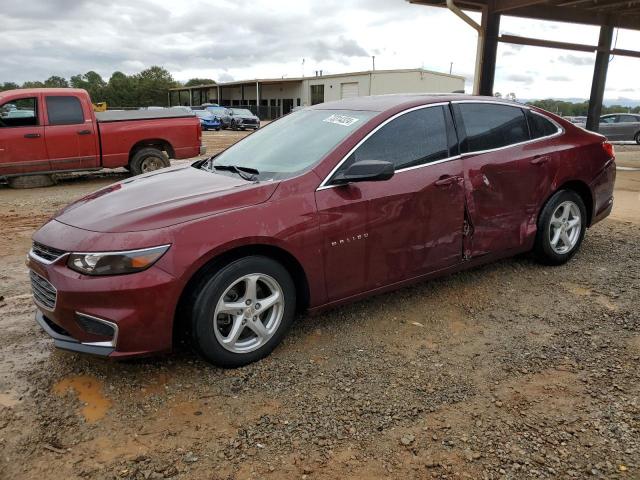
(143, 89)
(571, 109)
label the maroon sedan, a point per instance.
(324, 206)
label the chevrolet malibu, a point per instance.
(327, 205)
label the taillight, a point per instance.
(609, 149)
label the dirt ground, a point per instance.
(512, 370)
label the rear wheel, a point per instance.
(147, 160)
(561, 228)
(637, 138)
(242, 312)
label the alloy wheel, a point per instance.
(565, 227)
(248, 313)
(150, 164)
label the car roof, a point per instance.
(380, 103)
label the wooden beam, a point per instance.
(625, 53)
(537, 42)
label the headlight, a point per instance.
(115, 263)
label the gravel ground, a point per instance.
(512, 370)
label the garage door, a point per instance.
(348, 90)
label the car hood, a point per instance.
(161, 199)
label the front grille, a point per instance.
(44, 293)
(47, 253)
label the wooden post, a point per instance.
(599, 78)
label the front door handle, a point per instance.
(31, 135)
(446, 180)
(539, 159)
(84, 132)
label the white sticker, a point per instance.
(341, 120)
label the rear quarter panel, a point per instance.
(118, 138)
(578, 156)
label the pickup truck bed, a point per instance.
(125, 115)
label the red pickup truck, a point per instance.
(51, 130)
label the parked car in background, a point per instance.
(56, 130)
(242, 119)
(621, 127)
(322, 207)
(578, 119)
(208, 121)
(223, 114)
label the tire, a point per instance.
(561, 211)
(147, 160)
(32, 181)
(216, 342)
(637, 138)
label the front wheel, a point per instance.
(561, 228)
(242, 312)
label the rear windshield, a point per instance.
(294, 143)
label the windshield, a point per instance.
(241, 111)
(204, 113)
(293, 143)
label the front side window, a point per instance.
(415, 138)
(490, 126)
(22, 112)
(609, 119)
(64, 111)
(292, 144)
(539, 126)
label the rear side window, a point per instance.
(540, 126)
(490, 126)
(64, 111)
(412, 139)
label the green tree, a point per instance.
(93, 83)
(36, 84)
(121, 91)
(194, 82)
(152, 86)
(56, 82)
(9, 86)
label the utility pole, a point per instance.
(373, 61)
(450, 68)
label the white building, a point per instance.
(276, 97)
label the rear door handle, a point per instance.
(31, 135)
(539, 159)
(446, 180)
(84, 132)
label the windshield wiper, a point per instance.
(241, 171)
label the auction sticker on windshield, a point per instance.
(343, 120)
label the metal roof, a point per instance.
(616, 13)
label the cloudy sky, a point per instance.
(244, 39)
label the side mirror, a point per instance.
(365, 171)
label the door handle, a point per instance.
(84, 132)
(539, 160)
(446, 180)
(31, 135)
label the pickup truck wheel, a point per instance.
(147, 160)
(32, 181)
(242, 312)
(561, 228)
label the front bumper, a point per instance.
(117, 316)
(66, 342)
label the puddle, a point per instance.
(89, 392)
